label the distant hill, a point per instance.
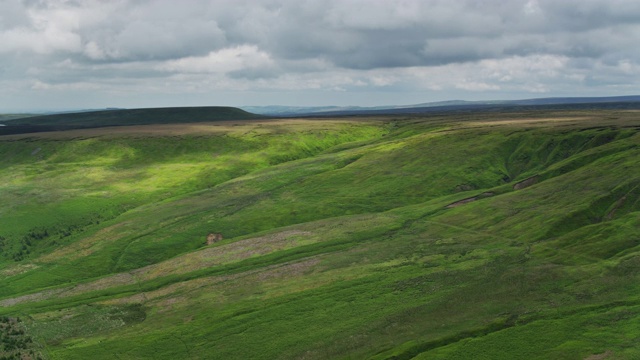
(123, 117)
(11, 117)
(440, 106)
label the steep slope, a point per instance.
(479, 237)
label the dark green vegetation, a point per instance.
(14, 341)
(490, 236)
(9, 117)
(122, 117)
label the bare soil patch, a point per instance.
(617, 205)
(604, 356)
(173, 294)
(183, 264)
(39, 296)
(526, 183)
(462, 202)
(204, 128)
(222, 254)
(18, 269)
(469, 199)
(88, 245)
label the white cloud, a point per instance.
(47, 41)
(532, 7)
(471, 85)
(375, 14)
(39, 85)
(244, 57)
(93, 51)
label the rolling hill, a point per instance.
(124, 117)
(540, 104)
(488, 235)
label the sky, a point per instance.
(86, 54)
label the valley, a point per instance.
(484, 235)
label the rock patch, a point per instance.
(526, 183)
(468, 200)
(213, 238)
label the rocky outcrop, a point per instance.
(213, 238)
(468, 200)
(526, 183)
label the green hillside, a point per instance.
(464, 236)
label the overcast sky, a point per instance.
(74, 54)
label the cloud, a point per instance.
(245, 57)
(491, 48)
(41, 32)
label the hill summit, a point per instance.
(125, 117)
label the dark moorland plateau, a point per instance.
(510, 233)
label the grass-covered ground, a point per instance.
(466, 236)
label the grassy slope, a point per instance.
(338, 239)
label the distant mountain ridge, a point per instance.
(278, 110)
(87, 118)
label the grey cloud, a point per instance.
(355, 34)
(255, 73)
(589, 14)
(12, 15)
(158, 41)
(363, 35)
(153, 30)
(143, 40)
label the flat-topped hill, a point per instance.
(124, 117)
